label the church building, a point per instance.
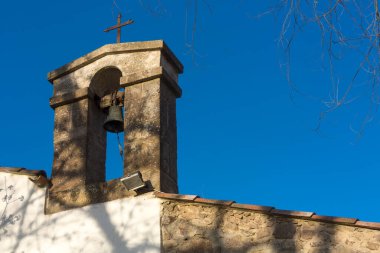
(132, 88)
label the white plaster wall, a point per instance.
(126, 225)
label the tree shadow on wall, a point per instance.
(8, 198)
(190, 228)
(73, 167)
(38, 232)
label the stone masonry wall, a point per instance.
(194, 227)
(148, 72)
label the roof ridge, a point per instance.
(272, 210)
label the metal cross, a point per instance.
(118, 27)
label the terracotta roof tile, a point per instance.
(297, 214)
(175, 196)
(264, 209)
(334, 219)
(214, 202)
(365, 224)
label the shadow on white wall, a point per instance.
(125, 225)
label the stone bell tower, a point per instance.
(148, 73)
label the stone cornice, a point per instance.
(133, 78)
(111, 49)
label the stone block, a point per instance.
(143, 90)
(196, 245)
(141, 154)
(284, 230)
(69, 164)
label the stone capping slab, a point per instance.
(115, 49)
(353, 222)
(370, 225)
(333, 219)
(171, 57)
(214, 201)
(257, 208)
(294, 214)
(175, 196)
(38, 177)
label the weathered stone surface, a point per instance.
(85, 195)
(69, 164)
(150, 134)
(284, 230)
(373, 246)
(115, 49)
(215, 228)
(307, 233)
(149, 74)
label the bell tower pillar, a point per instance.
(148, 72)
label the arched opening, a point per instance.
(106, 81)
(108, 160)
(114, 153)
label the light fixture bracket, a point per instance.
(133, 182)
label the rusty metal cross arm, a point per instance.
(118, 26)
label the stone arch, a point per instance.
(149, 73)
(105, 81)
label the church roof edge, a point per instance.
(271, 211)
(38, 177)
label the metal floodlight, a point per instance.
(133, 182)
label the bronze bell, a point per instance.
(114, 122)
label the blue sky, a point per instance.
(243, 134)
